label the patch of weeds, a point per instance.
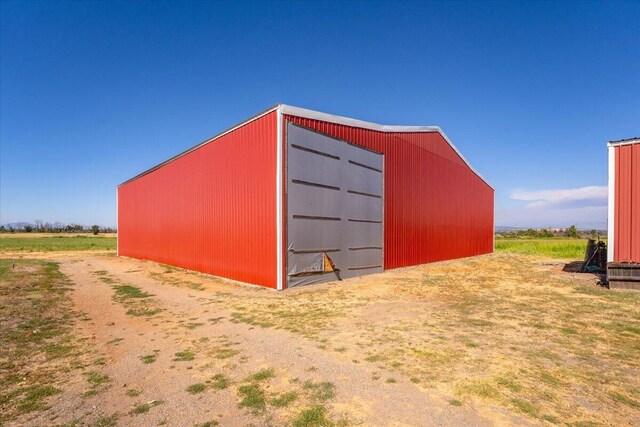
(115, 341)
(139, 312)
(55, 351)
(315, 416)
(568, 331)
(481, 323)
(193, 325)
(551, 419)
(479, 389)
(375, 377)
(215, 320)
(96, 379)
(38, 345)
(252, 398)
(98, 383)
(136, 300)
(374, 358)
(196, 388)
(320, 391)
(109, 421)
(211, 423)
(624, 399)
(455, 402)
(550, 379)
(415, 380)
(262, 375)
(341, 349)
(100, 362)
(34, 398)
(284, 400)
(148, 358)
(133, 392)
(391, 381)
(130, 291)
(509, 383)
(143, 408)
(184, 356)
(219, 382)
(525, 407)
(223, 353)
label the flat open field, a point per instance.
(554, 247)
(88, 338)
(41, 242)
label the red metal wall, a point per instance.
(212, 210)
(627, 204)
(436, 207)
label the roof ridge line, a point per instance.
(347, 121)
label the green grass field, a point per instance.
(553, 247)
(56, 243)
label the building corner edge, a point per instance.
(279, 196)
(117, 224)
(611, 209)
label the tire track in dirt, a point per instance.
(363, 399)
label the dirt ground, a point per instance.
(452, 343)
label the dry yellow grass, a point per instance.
(504, 329)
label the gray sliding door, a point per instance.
(334, 208)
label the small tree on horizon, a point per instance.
(95, 229)
(572, 231)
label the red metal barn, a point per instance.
(624, 214)
(293, 196)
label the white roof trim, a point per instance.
(624, 142)
(331, 118)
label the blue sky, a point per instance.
(94, 92)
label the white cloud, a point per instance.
(590, 217)
(591, 196)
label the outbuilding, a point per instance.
(623, 254)
(292, 196)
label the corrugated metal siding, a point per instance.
(212, 210)
(627, 204)
(436, 208)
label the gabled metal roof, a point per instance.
(316, 115)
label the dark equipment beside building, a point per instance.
(595, 258)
